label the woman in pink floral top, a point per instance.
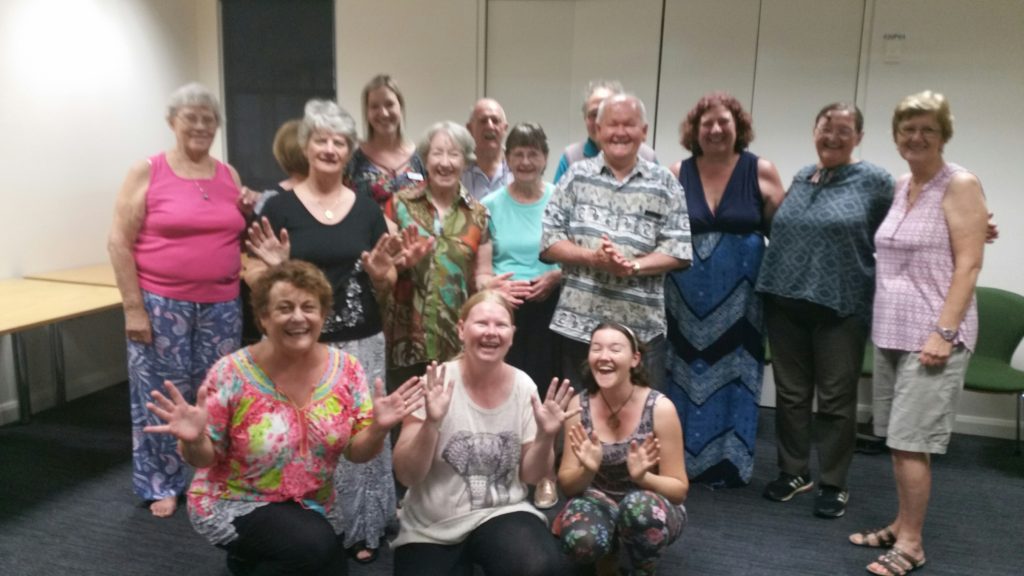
(269, 426)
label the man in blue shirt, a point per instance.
(597, 91)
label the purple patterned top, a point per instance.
(915, 269)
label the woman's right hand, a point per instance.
(183, 420)
(587, 448)
(263, 244)
(437, 393)
(137, 326)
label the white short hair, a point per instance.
(459, 135)
(193, 94)
(623, 98)
(329, 116)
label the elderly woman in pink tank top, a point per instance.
(929, 254)
(175, 245)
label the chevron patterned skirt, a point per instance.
(715, 361)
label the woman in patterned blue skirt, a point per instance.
(715, 325)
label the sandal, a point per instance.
(881, 538)
(896, 562)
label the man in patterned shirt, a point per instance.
(616, 223)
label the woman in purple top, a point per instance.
(175, 245)
(929, 253)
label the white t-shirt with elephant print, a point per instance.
(474, 475)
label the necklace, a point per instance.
(329, 210)
(201, 191)
(613, 417)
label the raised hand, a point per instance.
(437, 393)
(552, 414)
(392, 409)
(414, 247)
(514, 291)
(587, 449)
(263, 244)
(183, 420)
(379, 263)
(643, 458)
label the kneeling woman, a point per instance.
(624, 468)
(269, 426)
(467, 457)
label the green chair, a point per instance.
(1000, 330)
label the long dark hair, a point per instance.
(637, 374)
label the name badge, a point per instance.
(415, 176)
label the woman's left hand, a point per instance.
(642, 458)
(542, 286)
(552, 413)
(935, 351)
(392, 409)
(515, 291)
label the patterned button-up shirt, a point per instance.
(644, 213)
(422, 314)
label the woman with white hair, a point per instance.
(175, 248)
(422, 311)
(324, 222)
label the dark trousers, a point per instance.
(815, 352)
(284, 538)
(535, 349)
(515, 544)
(574, 361)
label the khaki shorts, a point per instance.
(915, 405)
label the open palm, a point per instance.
(182, 420)
(587, 448)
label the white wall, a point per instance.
(85, 83)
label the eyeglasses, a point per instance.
(926, 132)
(841, 133)
(198, 119)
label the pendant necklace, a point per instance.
(201, 191)
(328, 211)
(613, 416)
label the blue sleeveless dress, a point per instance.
(716, 329)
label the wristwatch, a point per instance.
(947, 334)
(636, 267)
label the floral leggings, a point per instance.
(593, 525)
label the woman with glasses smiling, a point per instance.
(818, 276)
(930, 250)
(175, 245)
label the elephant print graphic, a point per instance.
(488, 464)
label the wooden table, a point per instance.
(97, 275)
(26, 304)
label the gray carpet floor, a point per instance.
(66, 507)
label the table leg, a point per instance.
(57, 357)
(24, 393)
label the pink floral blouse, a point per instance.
(267, 449)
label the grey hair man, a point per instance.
(616, 223)
(488, 125)
(597, 91)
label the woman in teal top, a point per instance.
(818, 278)
(516, 211)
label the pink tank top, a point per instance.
(189, 245)
(915, 269)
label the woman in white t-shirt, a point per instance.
(469, 454)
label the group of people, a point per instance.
(445, 295)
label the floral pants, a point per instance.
(643, 523)
(188, 337)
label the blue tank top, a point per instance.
(741, 208)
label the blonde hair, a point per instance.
(926, 102)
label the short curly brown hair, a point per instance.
(302, 275)
(690, 127)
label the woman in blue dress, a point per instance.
(715, 323)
